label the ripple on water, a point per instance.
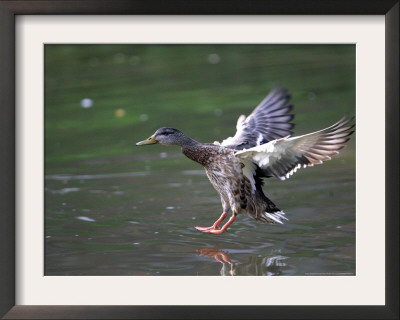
(65, 190)
(84, 218)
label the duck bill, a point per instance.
(151, 140)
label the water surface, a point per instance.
(142, 223)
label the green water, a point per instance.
(112, 208)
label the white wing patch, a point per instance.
(266, 155)
(259, 139)
(239, 131)
(249, 170)
(293, 171)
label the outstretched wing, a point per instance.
(270, 120)
(280, 158)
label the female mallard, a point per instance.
(261, 148)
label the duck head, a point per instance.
(166, 136)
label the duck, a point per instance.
(262, 147)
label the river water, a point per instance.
(142, 223)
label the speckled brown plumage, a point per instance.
(224, 171)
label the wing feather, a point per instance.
(270, 119)
(282, 157)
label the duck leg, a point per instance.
(216, 224)
(224, 227)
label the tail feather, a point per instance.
(273, 217)
(267, 211)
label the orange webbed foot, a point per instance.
(205, 229)
(215, 229)
(215, 226)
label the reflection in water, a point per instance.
(256, 265)
(219, 255)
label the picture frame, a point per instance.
(8, 10)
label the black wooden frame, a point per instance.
(8, 10)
